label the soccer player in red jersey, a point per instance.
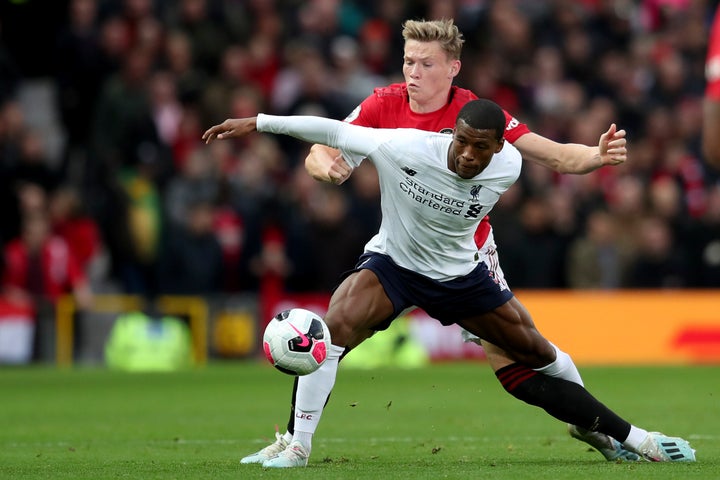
(711, 107)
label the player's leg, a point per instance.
(359, 304)
(610, 448)
(510, 327)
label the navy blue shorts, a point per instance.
(465, 297)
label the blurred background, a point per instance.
(111, 204)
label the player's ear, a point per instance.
(454, 68)
(500, 145)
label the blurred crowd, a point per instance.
(132, 201)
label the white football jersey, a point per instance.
(429, 213)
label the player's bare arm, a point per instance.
(230, 128)
(574, 157)
(326, 164)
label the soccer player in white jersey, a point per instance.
(428, 100)
(435, 189)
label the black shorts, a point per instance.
(464, 297)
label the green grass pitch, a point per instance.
(445, 421)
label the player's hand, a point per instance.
(339, 170)
(230, 128)
(613, 150)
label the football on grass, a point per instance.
(296, 341)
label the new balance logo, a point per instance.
(409, 171)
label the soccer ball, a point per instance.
(296, 341)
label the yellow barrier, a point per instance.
(194, 307)
(629, 327)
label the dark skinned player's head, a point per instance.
(483, 114)
(478, 135)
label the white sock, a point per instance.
(635, 438)
(563, 367)
(312, 393)
(288, 436)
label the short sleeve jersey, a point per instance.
(712, 64)
(389, 107)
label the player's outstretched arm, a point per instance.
(326, 164)
(574, 157)
(359, 141)
(230, 128)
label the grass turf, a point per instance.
(444, 421)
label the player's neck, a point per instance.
(429, 106)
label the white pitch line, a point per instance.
(371, 440)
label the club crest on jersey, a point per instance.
(475, 193)
(409, 171)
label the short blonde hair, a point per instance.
(444, 31)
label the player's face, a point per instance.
(472, 150)
(428, 74)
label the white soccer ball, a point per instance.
(296, 341)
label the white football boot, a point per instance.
(661, 448)
(295, 455)
(268, 452)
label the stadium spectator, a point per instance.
(10, 76)
(190, 80)
(541, 259)
(660, 262)
(229, 228)
(711, 112)
(421, 257)
(32, 163)
(192, 261)
(123, 126)
(353, 81)
(79, 72)
(167, 111)
(198, 181)
(135, 228)
(40, 266)
(207, 33)
(595, 260)
(231, 81)
(318, 229)
(26, 177)
(70, 221)
(702, 241)
(365, 199)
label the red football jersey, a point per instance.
(389, 107)
(60, 271)
(712, 64)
